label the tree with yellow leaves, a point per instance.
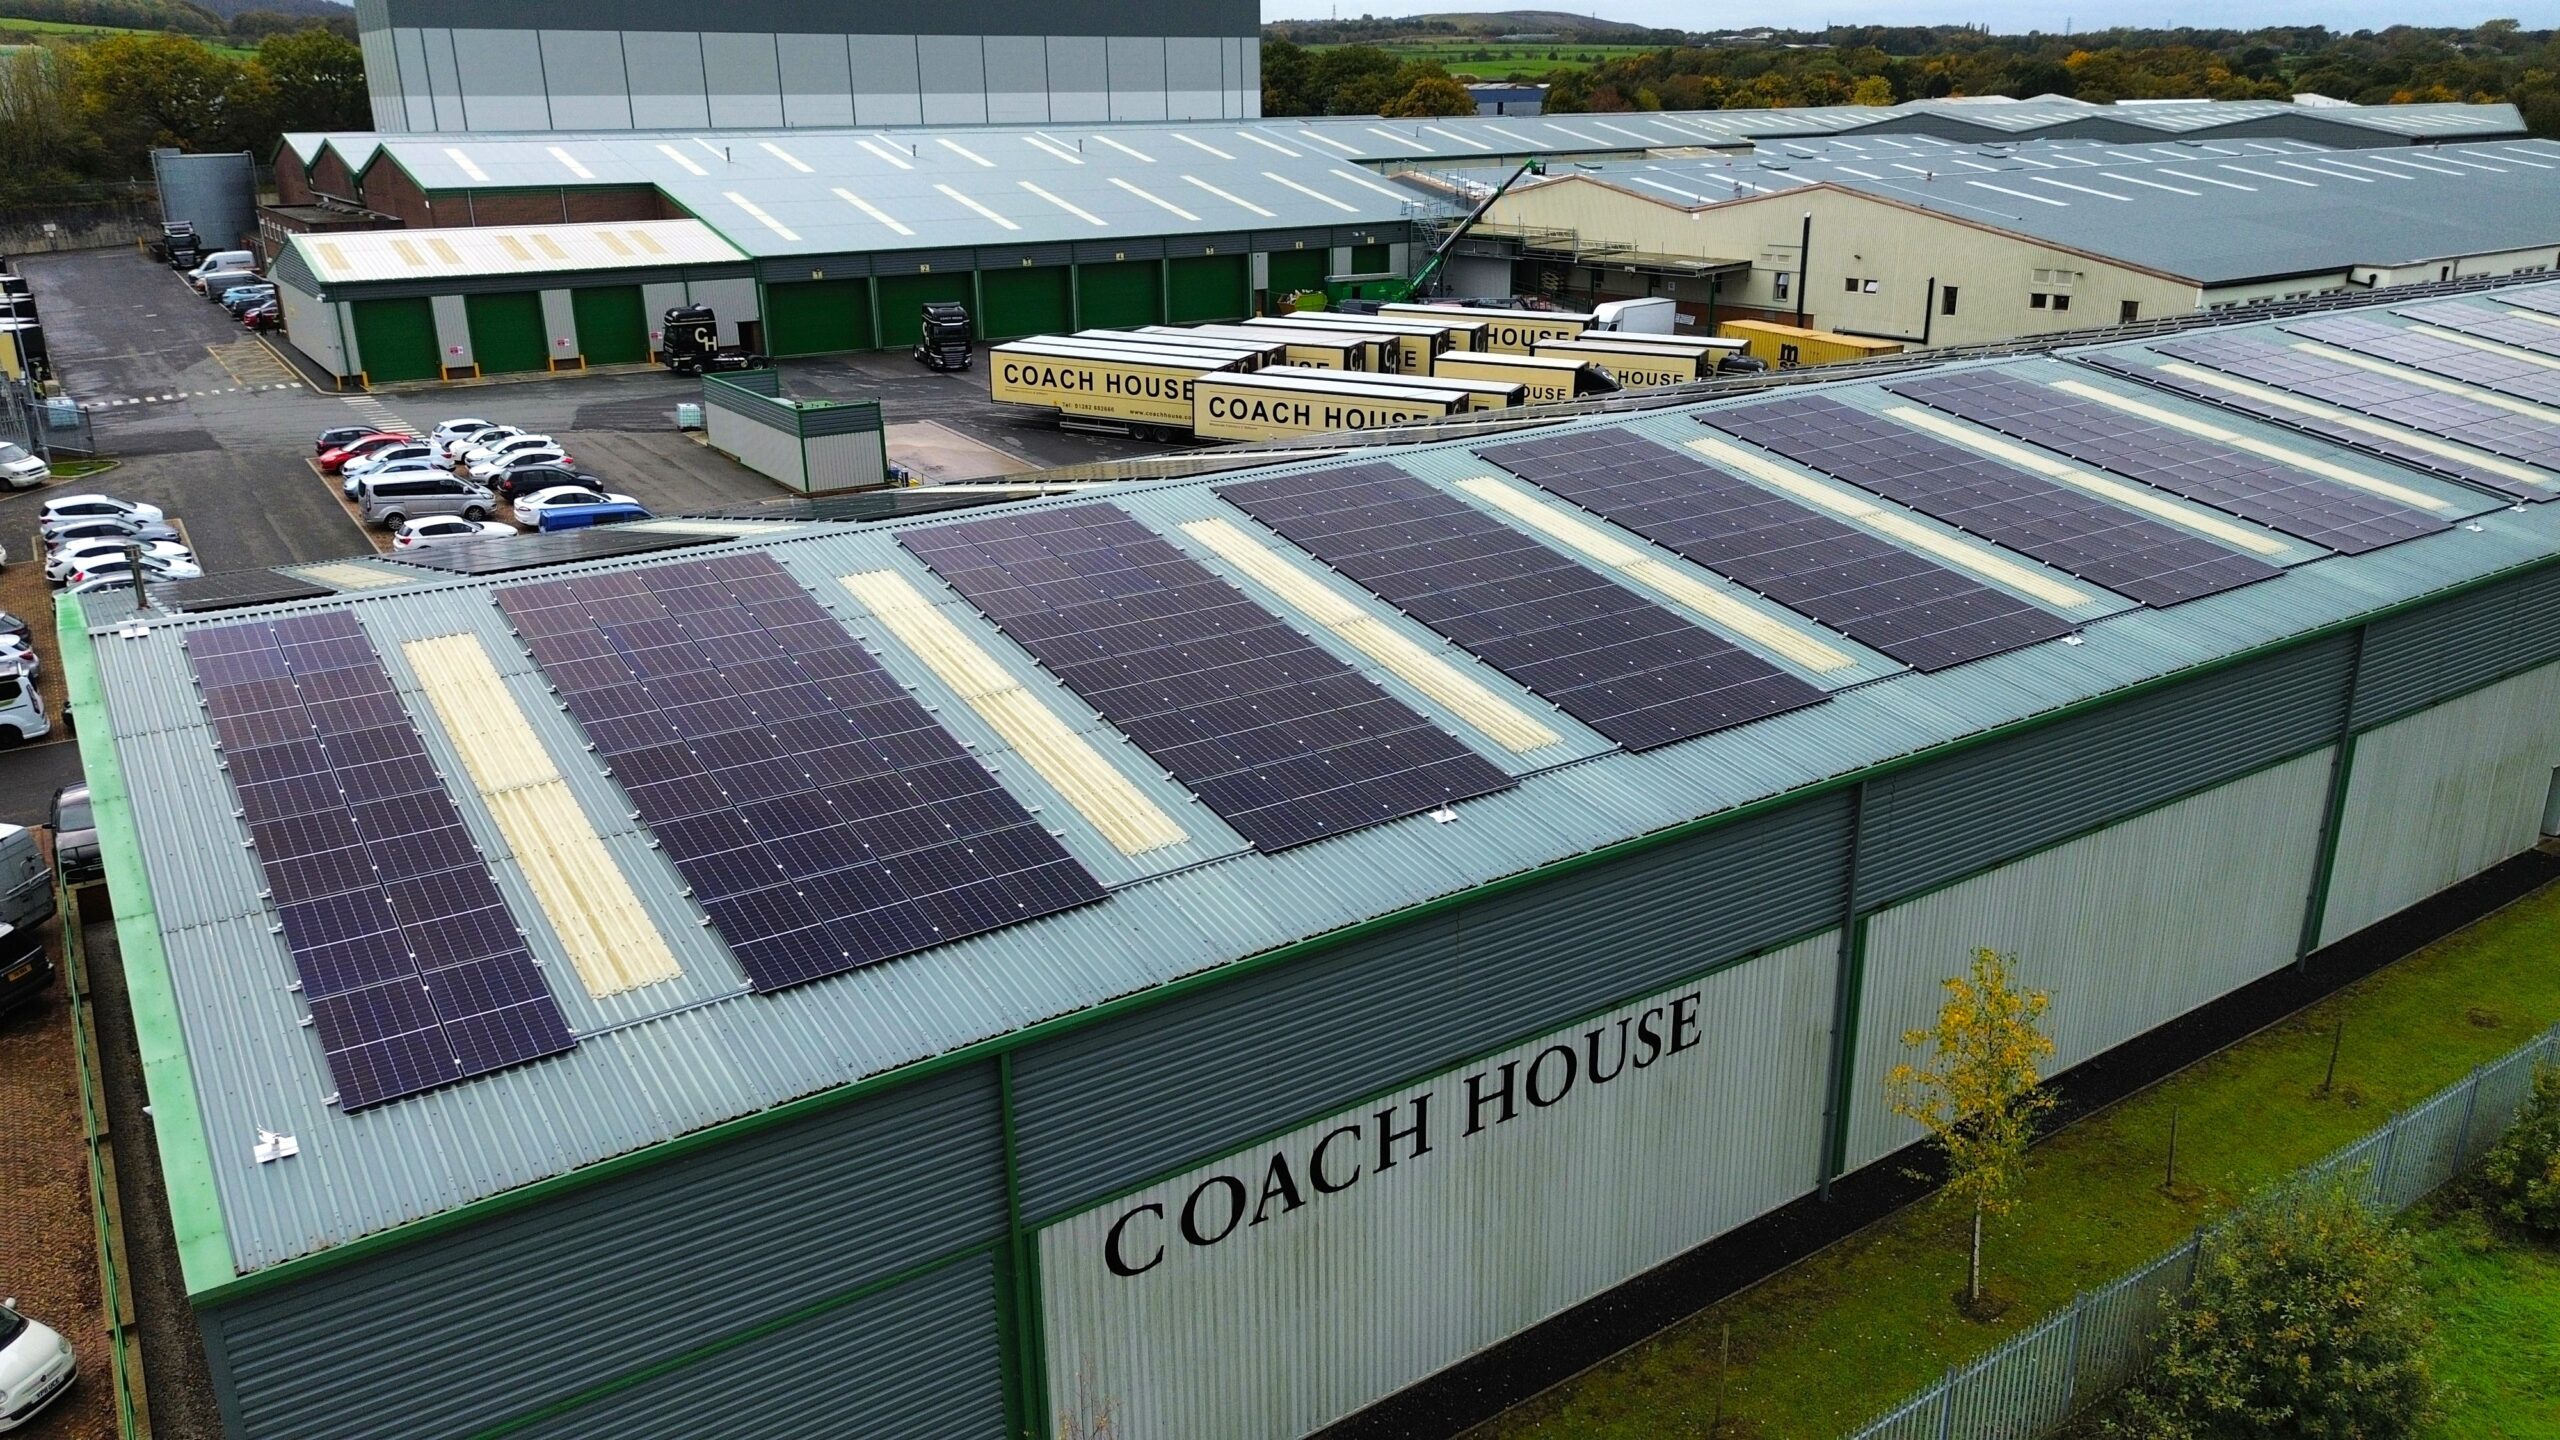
(1978, 1094)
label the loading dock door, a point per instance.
(1296, 270)
(506, 332)
(818, 317)
(396, 339)
(1208, 288)
(613, 328)
(902, 298)
(1121, 294)
(1027, 300)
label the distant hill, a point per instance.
(1484, 24)
(228, 8)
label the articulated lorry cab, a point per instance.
(1313, 345)
(1285, 402)
(942, 336)
(1144, 389)
(1548, 380)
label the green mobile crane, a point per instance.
(1394, 292)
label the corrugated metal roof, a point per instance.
(2216, 212)
(664, 1060)
(359, 256)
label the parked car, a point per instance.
(63, 561)
(113, 563)
(26, 880)
(218, 261)
(375, 459)
(535, 475)
(388, 502)
(579, 517)
(352, 484)
(19, 652)
(452, 430)
(529, 509)
(444, 529)
(483, 452)
(15, 628)
(64, 511)
(75, 835)
(109, 529)
(240, 297)
(22, 714)
(22, 470)
(265, 317)
(335, 460)
(488, 471)
(337, 435)
(26, 968)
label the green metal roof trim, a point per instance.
(186, 1164)
(685, 1060)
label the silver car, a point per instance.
(394, 498)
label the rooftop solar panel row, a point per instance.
(2253, 487)
(2070, 529)
(2507, 327)
(408, 957)
(822, 818)
(1287, 743)
(1607, 656)
(1876, 592)
(2435, 355)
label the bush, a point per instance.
(2522, 1175)
(2306, 1320)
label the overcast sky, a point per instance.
(2009, 16)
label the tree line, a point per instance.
(175, 16)
(72, 115)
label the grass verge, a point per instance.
(2497, 1299)
(82, 469)
(1825, 1345)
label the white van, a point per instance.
(21, 470)
(26, 882)
(221, 260)
(21, 709)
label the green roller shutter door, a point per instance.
(817, 317)
(1121, 294)
(1210, 287)
(506, 332)
(1296, 270)
(613, 329)
(396, 340)
(902, 296)
(1370, 259)
(1027, 300)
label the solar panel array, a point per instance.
(408, 957)
(1287, 743)
(2065, 527)
(2435, 355)
(2524, 332)
(2362, 441)
(1883, 596)
(500, 554)
(2541, 298)
(822, 818)
(233, 590)
(1605, 655)
(2384, 397)
(2253, 487)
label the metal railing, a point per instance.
(2031, 1384)
(115, 1282)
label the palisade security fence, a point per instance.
(2029, 1385)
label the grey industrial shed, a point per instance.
(961, 1193)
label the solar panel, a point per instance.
(2435, 355)
(409, 959)
(2385, 397)
(2361, 441)
(499, 554)
(2544, 299)
(1607, 656)
(1283, 740)
(232, 589)
(821, 816)
(1918, 612)
(2270, 492)
(2524, 332)
(2068, 528)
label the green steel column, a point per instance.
(2342, 768)
(1026, 1384)
(1848, 987)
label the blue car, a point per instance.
(578, 517)
(241, 297)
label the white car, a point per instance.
(352, 484)
(453, 430)
(61, 563)
(22, 470)
(117, 579)
(19, 655)
(115, 566)
(66, 510)
(480, 453)
(489, 470)
(437, 530)
(390, 455)
(36, 1366)
(119, 531)
(529, 508)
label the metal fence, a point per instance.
(2030, 1384)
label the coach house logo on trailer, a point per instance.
(1413, 1130)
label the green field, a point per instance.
(1821, 1348)
(2497, 1303)
(20, 30)
(1484, 60)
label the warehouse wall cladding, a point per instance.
(1160, 1084)
(482, 65)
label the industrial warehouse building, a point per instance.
(1930, 242)
(1219, 975)
(471, 65)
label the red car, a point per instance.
(336, 460)
(265, 317)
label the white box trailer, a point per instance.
(1480, 394)
(1507, 332)
(1146, 390)
(1288, 401)
(1417, 342)
(1548, 380)
(1464, 334)
(1634, 367)
(1315, 345)
(1249, 355)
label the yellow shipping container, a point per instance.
(1786, 347)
